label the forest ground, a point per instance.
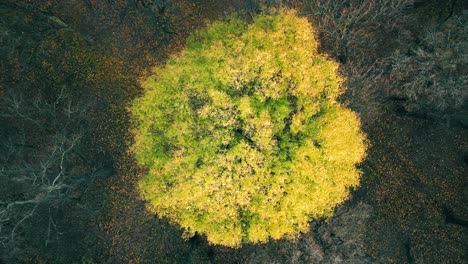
(411, 206)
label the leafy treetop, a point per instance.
(242, 133)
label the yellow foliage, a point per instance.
(242, 133)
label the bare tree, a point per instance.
(431, 75)
(345, 24)
(40, 161)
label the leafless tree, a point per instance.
(344, 24)
(40, 161)
(432, 75)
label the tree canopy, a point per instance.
(242, 134)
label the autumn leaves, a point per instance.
(242, 134)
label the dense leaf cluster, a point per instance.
(242, 133)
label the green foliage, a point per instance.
(242, 134)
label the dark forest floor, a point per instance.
(411, 207)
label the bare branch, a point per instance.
(38, 169)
